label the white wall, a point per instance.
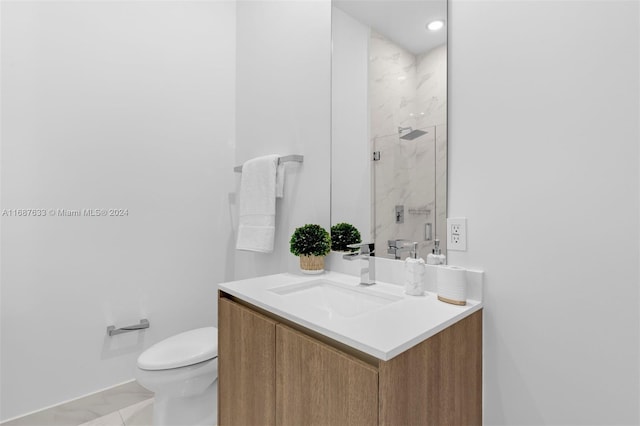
(283, 106)
(110, 105)
(544, 163)
(350, 150)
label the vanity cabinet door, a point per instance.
(320, 385)
(246, 361)
(438, 382)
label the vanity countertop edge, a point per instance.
(383, 333)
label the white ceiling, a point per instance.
(402, 21)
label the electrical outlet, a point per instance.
(457, 233)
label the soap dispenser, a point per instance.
(436, 257)
(414, 270)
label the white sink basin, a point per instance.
(335, 299)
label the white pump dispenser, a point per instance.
(414, 271)
(436, 257)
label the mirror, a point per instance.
(389, 122)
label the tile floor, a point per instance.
(139, 414)
(130, 403)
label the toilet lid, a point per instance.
(188, 348)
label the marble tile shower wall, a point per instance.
(432, 100)
(406, 90)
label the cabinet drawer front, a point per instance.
(246, 351)
(319, 385)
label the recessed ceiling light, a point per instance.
(435, 25)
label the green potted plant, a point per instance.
(311, 243)
(344, 234)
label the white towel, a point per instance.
(257, 204)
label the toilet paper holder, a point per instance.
(112, 330)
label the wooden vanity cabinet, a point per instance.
(319, 385)
(246, 366)
(274, 372)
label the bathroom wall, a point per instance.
(544, 161)
(99, 114)
(283, 106)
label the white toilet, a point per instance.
(182, 370)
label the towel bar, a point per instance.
(286, 158)
(112, 330)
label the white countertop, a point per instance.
(383, 333)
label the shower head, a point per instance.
(412, 134)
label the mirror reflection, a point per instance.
(389, 122)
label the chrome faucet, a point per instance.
(395, 247)
(368, 268)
